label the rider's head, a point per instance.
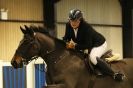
(75, 16)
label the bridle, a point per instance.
(25, 59)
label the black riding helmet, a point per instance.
(75, 14)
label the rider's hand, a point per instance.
(70, 45)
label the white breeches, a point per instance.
(97, 52)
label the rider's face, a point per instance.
(75, 23)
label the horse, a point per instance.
(65, 67)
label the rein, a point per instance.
(48, 53)
(25, 62)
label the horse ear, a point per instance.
(23, 30)
(26, 27)
(29, 30)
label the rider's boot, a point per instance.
(105, 68)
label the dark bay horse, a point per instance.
(65, 68)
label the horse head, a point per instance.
(36, 42)
(28, 48)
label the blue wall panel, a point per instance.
(14, 78)
(39, 75)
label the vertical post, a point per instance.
(49, 16)
(127, 28)
(30, 75)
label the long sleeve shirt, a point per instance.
(86, 37)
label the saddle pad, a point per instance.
(115, 57)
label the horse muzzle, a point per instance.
(15, 65)
(17, 62)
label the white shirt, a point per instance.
(75, 32)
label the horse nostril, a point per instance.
(14, 64)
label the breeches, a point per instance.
(97, 52)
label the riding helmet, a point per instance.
(75, 14)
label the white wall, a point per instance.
(10, 35)
(95, 12)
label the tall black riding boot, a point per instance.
(105, 68)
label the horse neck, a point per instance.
(49, 45)
(46, 42)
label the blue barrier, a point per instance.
(14, 78)
(39, 75)
(17, 78)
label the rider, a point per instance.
(79, 35)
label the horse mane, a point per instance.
(43, 30)
(39, 29)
